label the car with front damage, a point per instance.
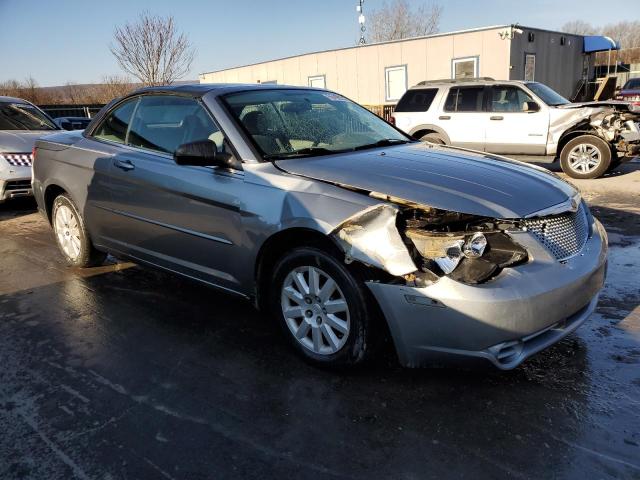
(524, 120)
(21, 124)
(341, 227)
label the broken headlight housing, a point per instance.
(424, 244)
(464, 247)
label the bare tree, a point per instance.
(579, 27)
(627, 33)
(114, 86)
(153, 50)
(398, 20)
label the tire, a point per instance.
(347, 343)
(586, 156)
(434, 138)
(72, 236)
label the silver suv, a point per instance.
(524, 120)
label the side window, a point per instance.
(464, 99)
(418, 100)
(114, 127)
(507, 98)
(164, 122)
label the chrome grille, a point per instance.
(563, 235)
(18, 159)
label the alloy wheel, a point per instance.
(315, 310)
(67, 230)
(584, 158)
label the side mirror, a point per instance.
(203, 153)
(530, 107)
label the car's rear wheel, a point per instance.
(433, 137)
(321, 307)
(586, 156)
(72, 236)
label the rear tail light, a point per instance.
(392, 120)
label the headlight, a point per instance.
(471, 257)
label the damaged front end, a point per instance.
(615, 122)
(419, 245)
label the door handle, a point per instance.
(496, 117)
(444, 117)
(125, 165)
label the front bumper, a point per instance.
(14, 187)
(15, 181)
(503, 322)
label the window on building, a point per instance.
(317, 81)
(464, 99)
(418, 100)
(529, 67)
(464, 67)
(395, 82)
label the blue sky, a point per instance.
(67, 40)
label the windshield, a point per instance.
(293, 123)
(633, 84)
(547, 95)
(22, 116)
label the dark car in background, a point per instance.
(630, 91)
(72, 123)
(21, 124)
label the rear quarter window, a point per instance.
(464, 99)
(418, 100)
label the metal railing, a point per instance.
(383, 111)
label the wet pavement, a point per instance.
(127, 373)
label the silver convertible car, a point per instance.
(337, 224)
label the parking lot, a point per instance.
(123, 372)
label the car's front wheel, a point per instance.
(72, 236)
(321, 307)
(586, 156)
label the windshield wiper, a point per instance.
(385, 142)
(303, 152)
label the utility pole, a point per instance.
(361, 22)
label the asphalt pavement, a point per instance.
(122, 372)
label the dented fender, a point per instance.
(372, 238)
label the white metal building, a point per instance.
(378, 74)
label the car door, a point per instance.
(463, 117)
(517, 124)
(182, 218)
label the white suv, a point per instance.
(524, 120)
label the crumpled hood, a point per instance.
(620, 105)
(441, 177)
(20, 141)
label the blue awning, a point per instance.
(599, 43)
